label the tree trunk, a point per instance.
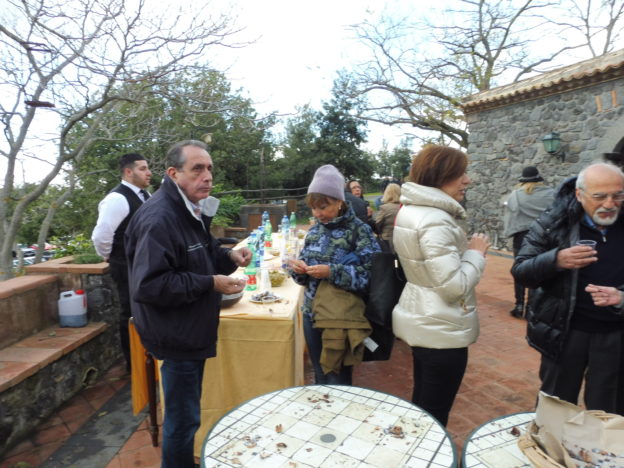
(47, 222)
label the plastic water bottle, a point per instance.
(286, 260)
(256, 240)
(250, 272)
(260, 251)
(260, 235)
(268, 231)
(265, 217)
(285, 230)
(251, 242)
(293, 220)
(265, 280)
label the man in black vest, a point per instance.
(115, 211)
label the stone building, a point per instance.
(583, 103)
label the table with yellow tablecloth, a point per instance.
(259, 350)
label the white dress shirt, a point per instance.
(112, 210)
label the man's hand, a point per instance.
(604, 295)
(578, 256)
(227, 284)
(241, 257)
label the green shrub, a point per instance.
(229, 210)
(87, 258)
(80, 246)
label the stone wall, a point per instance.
(504, 140)
(26, 405)
(102, 299)
(94, 279)
(29, 402)
(27, 305)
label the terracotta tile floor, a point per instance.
(501, 378)
(59, 427)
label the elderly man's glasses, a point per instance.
(601, 197)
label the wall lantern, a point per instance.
(552, 145)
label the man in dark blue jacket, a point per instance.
(578, 333)
(177, 274)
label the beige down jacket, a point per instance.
(437, 308)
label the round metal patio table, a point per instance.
(495, 443)
(328, 426)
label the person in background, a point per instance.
(384, 183)
(384, 219)
(337, 235)
(177, 273)
(353, 195)
(579, 334)
(530, 198)
(114, 213)
(437, 312)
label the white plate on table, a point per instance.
(268, 301)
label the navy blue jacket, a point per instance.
(171, 263)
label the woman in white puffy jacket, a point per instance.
(437, 313)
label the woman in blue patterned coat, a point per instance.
(338, 249)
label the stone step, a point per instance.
(40, 373)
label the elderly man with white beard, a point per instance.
(577, 319)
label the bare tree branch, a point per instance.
(78, 54)
(419, 71)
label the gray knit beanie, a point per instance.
(328, 181)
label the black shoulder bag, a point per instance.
(387, 280)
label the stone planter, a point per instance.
(217, 231)
(57, 371)
(93, 278)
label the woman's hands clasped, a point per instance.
(315, 271)
(479, 242)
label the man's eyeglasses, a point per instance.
(601, 197)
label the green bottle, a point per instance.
(268, 230)
(250, 272)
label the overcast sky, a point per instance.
(299, 48)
